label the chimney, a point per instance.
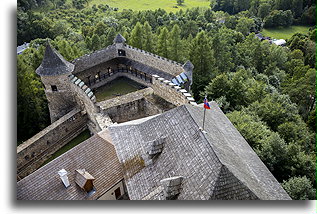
(63, 175)
(172, 187)
(156, 147)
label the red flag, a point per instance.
(206, 104)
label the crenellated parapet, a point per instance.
(82, 86)
(86, 100)
(123, 52)
(171, 92)
(154, 55)
(98, 57)
(153, 60)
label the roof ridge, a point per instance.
(247, 165)
(224, 169)
(203, 134)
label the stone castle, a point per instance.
(145, 145)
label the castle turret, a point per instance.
(189, 67)
(119, 39)
(54, 72)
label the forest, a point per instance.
(267, 91)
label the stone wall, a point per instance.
(61, 101)
(32, 153)
(101, 71)
(98, 57)
(131, 106)
(86, 100)
(162, 88)
(155, 61)
(170, 92)
(101, 56)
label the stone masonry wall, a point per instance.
(86, 100)
(131, 106)
(90, 60)
(101, 69)
(155, 61)
(161, 87)
(62, 101)
(101, 56)
(170, 92)
(32, 153)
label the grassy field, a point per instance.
(151, 4)
(284, 32)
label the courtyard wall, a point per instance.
(35, 151)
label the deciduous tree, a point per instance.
(299, 188)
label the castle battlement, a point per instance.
(129, 52)
(154, 55)
(71, 85)
(149, 143)
(81, 84)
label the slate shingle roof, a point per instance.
(119, 39)
(53, 63)
(218, 164)
(96, 155)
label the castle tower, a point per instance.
(119, 42)
(54, 72)
(119, 39)
(189, 67)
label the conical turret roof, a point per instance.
(53, 63)
(188, 66)
(119, 39)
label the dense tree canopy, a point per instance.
(267, 91)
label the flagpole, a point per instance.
(204, 114)
(204, 119)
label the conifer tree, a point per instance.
(175, 44)
(162, 43)
(95, 42)
(201, 55)
(136, 38)
(100, 29)
(111, 33)
(148, 37)
(187, 46)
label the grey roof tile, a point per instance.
(119, 39)
(53, 63)
(205, 161)
(95, 155)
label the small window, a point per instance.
(121, 52)
(54, 88)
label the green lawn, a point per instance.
(151, 4)
(284, 32)
(119, 86)
(77, 140)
